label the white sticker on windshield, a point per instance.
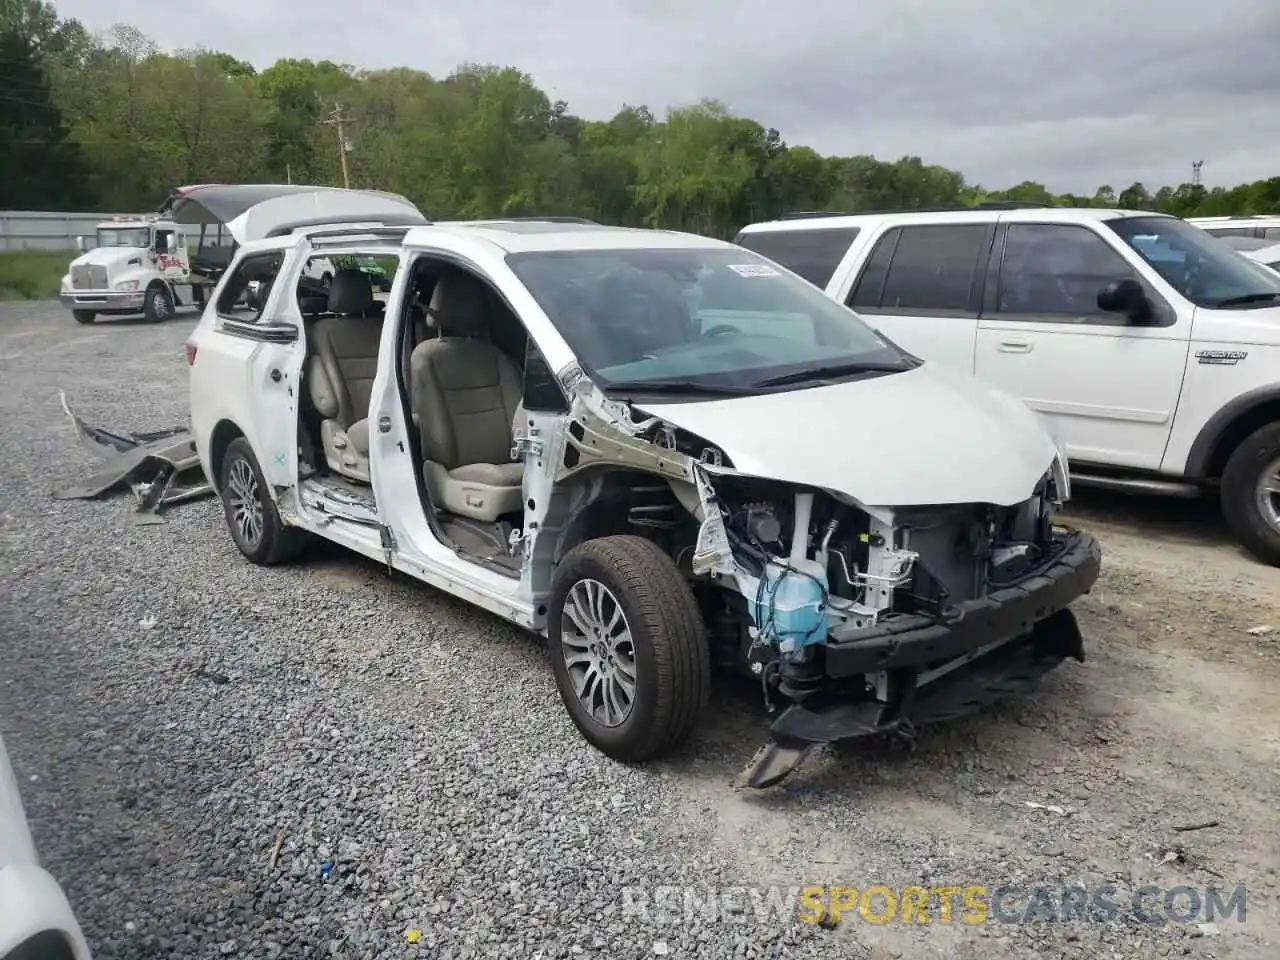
(753, 270)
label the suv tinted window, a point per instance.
(238, 299)
(813, 254)
(933, 268)
(866, 293)
(1059, 269)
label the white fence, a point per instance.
(46, 230)
(56, 230)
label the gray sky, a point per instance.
(1070, 94)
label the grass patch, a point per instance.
(33, 274)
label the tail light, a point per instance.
(191, 354)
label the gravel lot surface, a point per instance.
(320, 760)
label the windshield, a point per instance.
(124, 236)
(716, 318)
(1202, 268)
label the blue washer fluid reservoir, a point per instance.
(790, 606)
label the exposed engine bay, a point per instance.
(854, 569)
(807, 567)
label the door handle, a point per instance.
(1015, 346)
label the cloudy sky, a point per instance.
(1070, 94)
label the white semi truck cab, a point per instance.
(133, 265)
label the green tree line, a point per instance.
(111, 123)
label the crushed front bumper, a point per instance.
(913, 641)
(937, 668)
(102, 300)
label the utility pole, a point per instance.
(337, 120)
(1195, 172)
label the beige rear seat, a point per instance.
(340, 373)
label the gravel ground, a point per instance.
(321, 760)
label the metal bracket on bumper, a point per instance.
(993, 647)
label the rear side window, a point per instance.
(1229, 231)
(922, 268)
(245, 292)
(812, 254)
(1271, 233)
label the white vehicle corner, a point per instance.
(657, 450)
(36, 920)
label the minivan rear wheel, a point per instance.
(255, 524)
(628, 647)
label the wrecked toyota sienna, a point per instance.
(664, 453)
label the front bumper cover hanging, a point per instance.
(161, 466)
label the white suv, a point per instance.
(657, 450)
(1152, 349)
(1259, 226)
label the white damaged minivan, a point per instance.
(662, 452)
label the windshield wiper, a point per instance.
(834, 370)
(687, 387)
(1240, 301)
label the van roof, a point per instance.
(528, 236)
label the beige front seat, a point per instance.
(464, 393)
(340, 373)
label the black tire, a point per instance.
(157, 303)
(84, 316)
(669, 648)
(274, 542)
(1257, 455)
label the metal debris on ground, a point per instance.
(161, 467)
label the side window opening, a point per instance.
(343, 306)
(1058, 269)
(327, 279)
(247, 289)
(812, 254)
(934, 268)
(461, 385)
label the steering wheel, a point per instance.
(721, 330)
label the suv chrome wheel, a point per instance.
(1267, 493)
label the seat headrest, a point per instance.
(459, 306)
(350, 292)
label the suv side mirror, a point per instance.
(1126, 296)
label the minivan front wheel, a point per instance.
(628, 647)
(1251, 494)
(251, 514)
